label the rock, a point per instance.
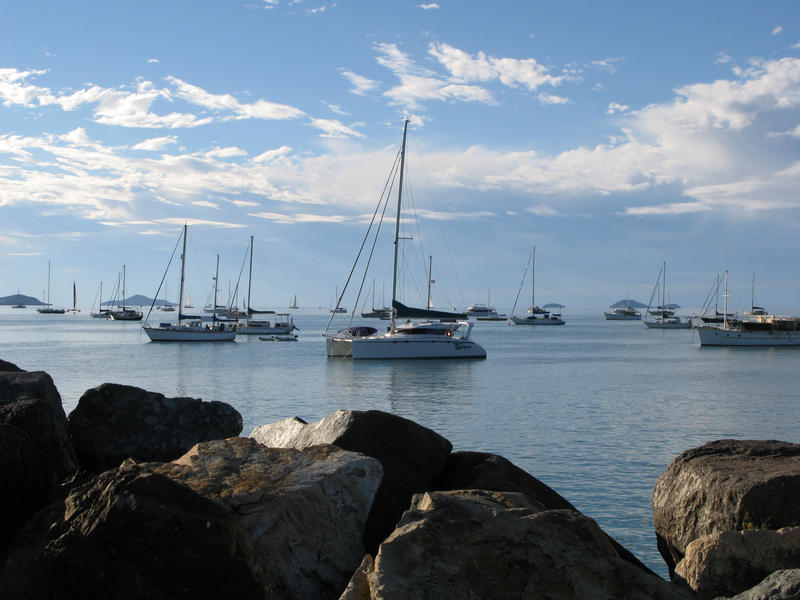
(113, 422)
(35, 451)
(305, 510)
(733, 561)
(484, 471)
(130, 533)
(411, 455)
(725, 485)
(480, 544)
(6, 366)
(780, 585)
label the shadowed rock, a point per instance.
(130, 533)
(479, 544)
(113, 422)
(734, 561)
(35, 450)
(780, 585)
(411, 455)
(725, 485)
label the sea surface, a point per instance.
(595, 409)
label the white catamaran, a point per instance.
(437, 334)
(190, 328)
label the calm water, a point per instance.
(596, 409)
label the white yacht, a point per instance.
(437, 334)
(188, 328)
(623, 313)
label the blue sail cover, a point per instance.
(408, 312)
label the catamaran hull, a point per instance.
(179, 334)
(714, 336)
(393, 348)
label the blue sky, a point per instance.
(613, 136)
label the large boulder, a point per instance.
(734, 561)
(725, 485)
(780, 585)
(35, 451)
(305, 510)
(113, 422)
(130, 533)
(484, 471)
(480, 544)
(411, 455)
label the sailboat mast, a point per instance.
(74, 297)
(48, 283)
(430, 272)
(123, 286)
(663, 289)
(249, 281)
(183, 272)
(533, 271)
(397, 220)
(753, 293)
(725, 301)
(216, 277)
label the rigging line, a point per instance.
(521, 283)
(389, 179)
(231, 303)
(441, 226)
(655, 287)
(711, 294)
(163, 277)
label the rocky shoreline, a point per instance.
(136, 495)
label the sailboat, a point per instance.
(384, 313)
(756, 330)
(167, 307)
(189, 328)
(438, 335)
(537, 316)
(48, 308)
(664, 313)
(281, 323)
(74, 308)
(754, 310)
(123, 313)
(338, 309)
(102, 313)
(293, 303)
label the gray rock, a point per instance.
(128, 534)
(476, 544)
(780, 585)
(411, 455)
(113, 422)
(733, 561)
(725, 485)
(304, 510)
(7, 366)
(35, 451)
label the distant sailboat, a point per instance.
(74, 308)
(546, 318)
(48, 309)
(102, 313)
(293, 303)
(123, 313)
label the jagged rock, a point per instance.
(113, 422)
(780, 585)
(130, 533)
(35, 450)
(733, 561)
(725, 485)
(6, 366)
(411, 455)
(480, 544)
(484, 471)
(304, 510)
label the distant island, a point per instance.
(136, 300)
(628, 302)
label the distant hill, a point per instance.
(554, 305)
(138, 300)
(20, 299)
(628, 302)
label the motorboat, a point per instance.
(623, 313)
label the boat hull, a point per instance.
(396, 347)
(179, 333)
(619, 317)
(716, 336)
(537, 321)
(668, 324)
(264, 330)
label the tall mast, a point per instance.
(249, 280)
(663, 289)
(123, 287)
(216, 276)
(183, 272)
(533, 270)
(725, 299)
(753, 293)
(48, 283)
(397, 220)
(430, 272)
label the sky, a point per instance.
(613, 137)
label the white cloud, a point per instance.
(777, 29)
(552, 99)
(332, 128)
(607, 64)
(205, 204)
(614, 107)
(361, 85)
(430, 6)
(153, 60)
(272, 155)
(157, 143)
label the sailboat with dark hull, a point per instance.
(424, 333)
(49, 309)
